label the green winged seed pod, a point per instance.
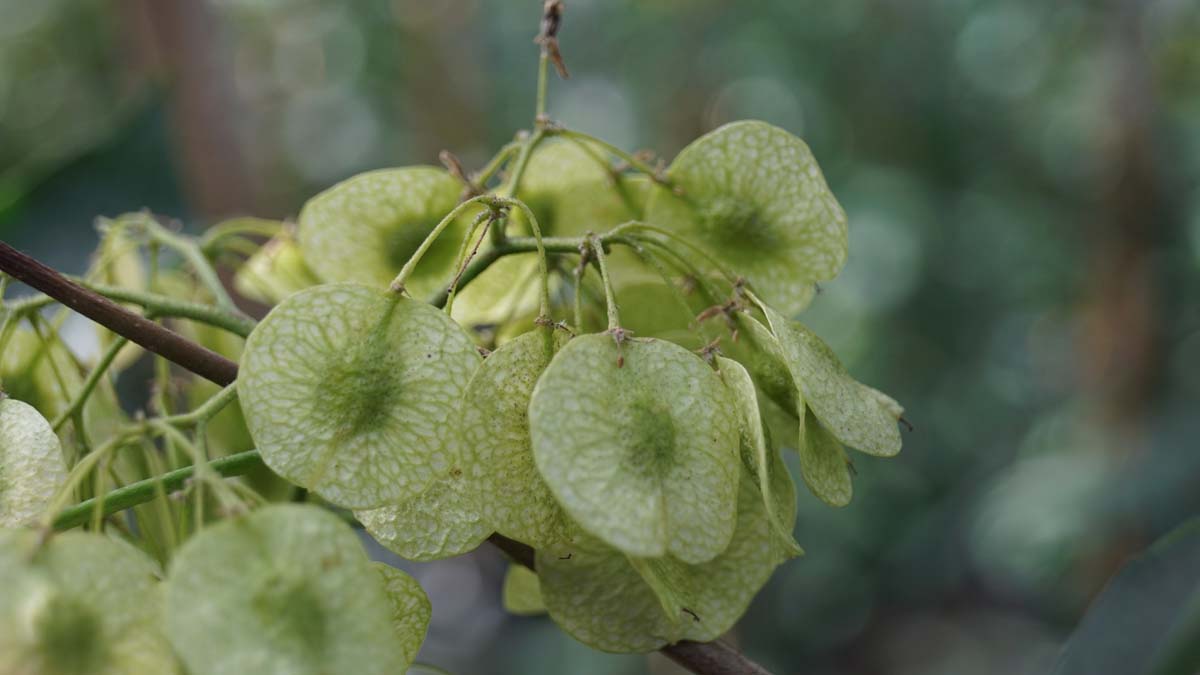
(644, 455)
(857, 415)
(823, 463)
(757, 454)
(365, 228)
(411, 610)
(754, 197)
(81, 604)
(517, 502)
(619, 604)
(522, 593)
(31, 463)
(285, 590)
(275, 271)
(443, 520)
(350, 392)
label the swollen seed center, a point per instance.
(292, 606)
(70, 637)
(404, 240)
(361, 393)
(736, 223)
(650, 434)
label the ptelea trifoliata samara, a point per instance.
(349, 391)
(32, 468)
(79, 604)
(411, 610)
(443, 520)
(365, 228)
(754, 197)
(275, 271)
(285, 590)
(516, 500)
(857, 415)
(619, 603)
(643, 455)
(759, 457)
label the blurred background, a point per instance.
(1023, 184)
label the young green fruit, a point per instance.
(411, 610)
(443, 520)
(350, 392)
(275, 271)
(758, 456)
(365, 228)
(31, 463)
(81, 604)
(285, 590)
(643, 455)
(619, 603)
(754, 197)
(516, 500)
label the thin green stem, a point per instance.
(89, 384)
(543, 68)
(663, 273)
(579, 273)
(518, 172)
(461, 260)
(189, 249)
(206, 411)
(541, 250)
(610, 300)
(682, 241)
(212, 239)
(144, 490)
(397, 285)
(512, 246)
(626, 157)
(78, 473)
(203, 470)
(493, 167)
(230, 320)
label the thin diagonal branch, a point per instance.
(166, 343)
(703, 658)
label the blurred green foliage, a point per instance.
(1023, 185)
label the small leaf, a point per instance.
(522, 593)
(642, 455)
(853, 412)
(80, 604)
(411, 610)
(754, 197)
(32, 468)
(286, 589)
(757, 455)
(1147, 620)
(350, 392)
(598, 596)
(516, 501)
(365, 228)
(823, 463)
(442, 521)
